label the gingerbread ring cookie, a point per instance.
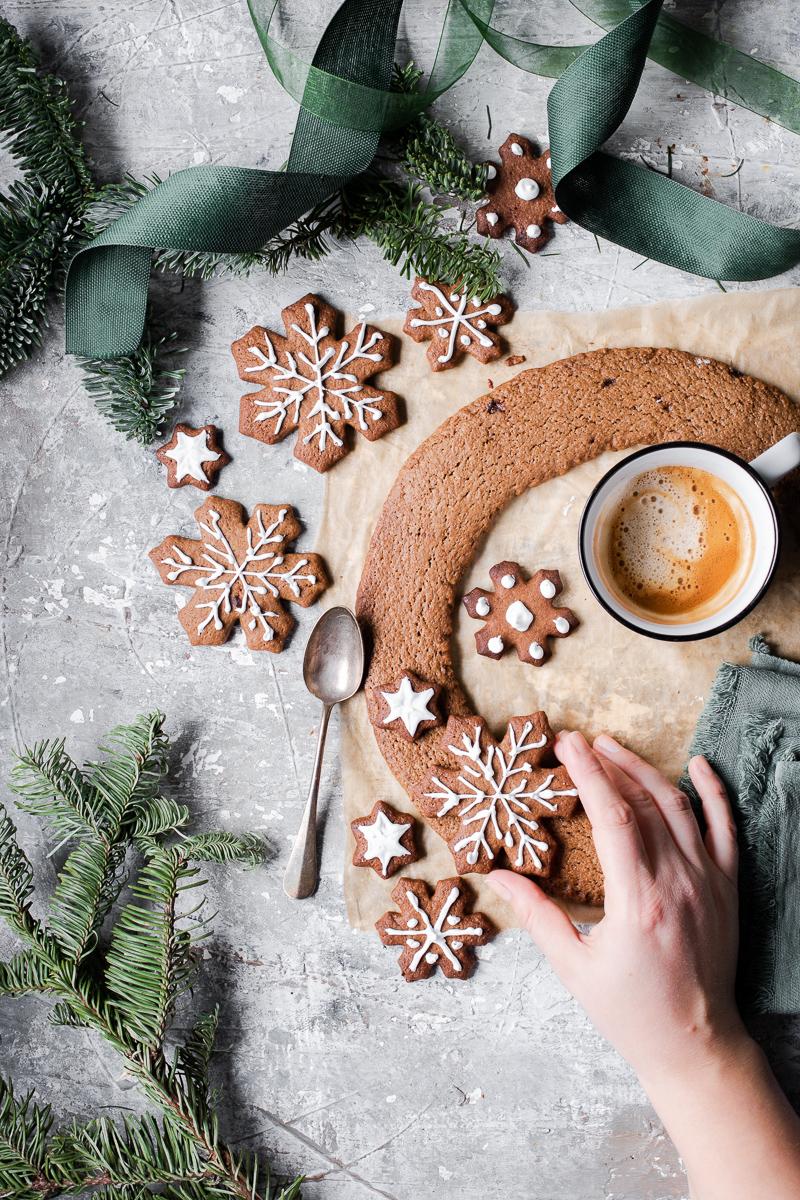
(540, 424)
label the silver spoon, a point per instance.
(333, 668)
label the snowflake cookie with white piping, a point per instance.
(384, 840)
(519, 613)
(455, 325)
(520, 196)
(408, 705)
(434, 930)
(193, 456)
(314, 383)
(240, 571)
(490, 804)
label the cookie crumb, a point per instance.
(495, 406)
(514, 360)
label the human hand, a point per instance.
(656, 975)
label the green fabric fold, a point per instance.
(750, 732)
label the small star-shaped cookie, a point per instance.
(384, 840)
(519, 613)
(520, 195)
(193, 456)
(408, 704)
(434, 930)
(455, 325)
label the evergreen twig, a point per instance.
(136, 393)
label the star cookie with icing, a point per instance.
(521, 196)
(455, 325)
(492, 798)
(239, 571)
(193, 456)
(314, 383)
(434, 930)
(384, 840)
(408, 705)
(519, 613)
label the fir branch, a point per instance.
(24, 1130)
(23, 974)
(136, 393)
(222, 847)
(49, 785)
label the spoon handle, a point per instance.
(301, 876)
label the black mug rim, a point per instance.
(714, 630)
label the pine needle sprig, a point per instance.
(125, 992)
(136, 393)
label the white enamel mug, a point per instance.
(751, 483)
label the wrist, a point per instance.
(706, 1056)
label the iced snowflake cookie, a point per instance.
(492, 800)
(408, 705)
(240, 571)
(454, 325)
(434, 930)
(384, 840)
(314, 382)
(520, 196)
(519, 613)
(193, 456)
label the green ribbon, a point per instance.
(346, 103)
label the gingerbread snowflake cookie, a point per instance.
(240, 571)
(455, 325)
(490, 803)
(384, 840)
(520, 196)
(519, 613)
(434, 930)
(193, 456)
(409, 705)
(314, 383)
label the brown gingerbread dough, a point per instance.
(531, 429)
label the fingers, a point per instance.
(617, 837)
(548, 925)
(673, 805)
(655, 835)
(720, 839)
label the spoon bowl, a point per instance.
(333, 666)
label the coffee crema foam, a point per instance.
(677, 545)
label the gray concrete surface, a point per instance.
(497, 1089)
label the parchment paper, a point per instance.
(603, 677)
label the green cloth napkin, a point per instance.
(750, 733)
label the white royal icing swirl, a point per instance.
(382, 837)
(409, 706)
(189, 453)
(457, 317)
(527, 189)
(519, 617)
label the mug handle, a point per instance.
(779, 460)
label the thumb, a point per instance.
(548, 925)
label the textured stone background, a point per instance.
(495, 1089)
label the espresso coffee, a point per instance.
(676, 545)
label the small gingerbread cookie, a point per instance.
(519, 613)
(455, 325)
(240, 571)
(409, 705)
(520, 196)
(434, 930)
(193, 456)
(490, 804)
(315, 382)
(384, 840)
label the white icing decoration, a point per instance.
(475, 302)
(483, 607)
(453, 920)
(549, 164)
(547, 588)
(434, 933)
(519, 617)
(527, 189)
(247, 580)
(481, 323)
(555, 208)
(509, 797)
(456, 317)
(491, 171)
(534, 231)
(412, 922)
(310, 394)
(464, 339)
(508, 581)
(492, 218)
(189, 453)
(439, 311)
(383, 840)
(562, 624)
(517, 149)
(536, 650)
(495, 644)
(409, 706)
